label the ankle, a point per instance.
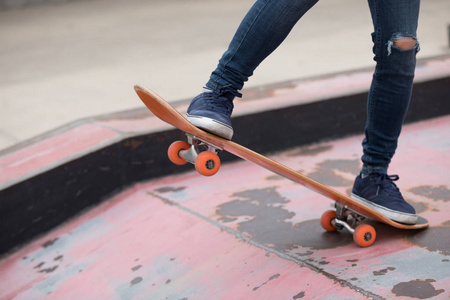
(367, 170)
(222, 89)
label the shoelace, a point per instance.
(219, 102)
(386, 184)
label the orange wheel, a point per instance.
(326, 218)
(174, 150)
(364, 235)
(207, 163)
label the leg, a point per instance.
(395, 48)
(262, 30)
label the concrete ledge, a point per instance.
(47, 180)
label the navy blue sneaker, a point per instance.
(379, 192)
(211, 111)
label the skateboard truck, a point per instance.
(198, 152)
(343, 218)
(340, 222)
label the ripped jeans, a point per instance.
(269, 22)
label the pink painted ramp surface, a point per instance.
(247, 233)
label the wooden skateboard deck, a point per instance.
(168, 114)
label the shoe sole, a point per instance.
(212, 126)
(394, 215)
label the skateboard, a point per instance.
(202, 149)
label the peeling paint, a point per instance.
(269, 225)
(352, 260)
(134, 269)
(136, 281)
(311, 150)
(227, 219)
(418, 206)
(325, 172)
(49, 243)
(48, 270)
(383, 271)
(437, 193)
(58, 258)
(434, 239)
(170, 189)
(419, 289)
(299, 295)
(270, 279)
(307, 253)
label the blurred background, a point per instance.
(64, 60)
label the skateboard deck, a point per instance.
(213, 144)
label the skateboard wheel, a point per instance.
(364, 235)
(326, 219)
(207, 163)
(174, 152)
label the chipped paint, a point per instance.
(383, 271)
(419, 289)
(266, 221)
(420, 207)
(437, 193)
(136, 280)
(434, 239)
(264, 283)
(299, 295)
(311, 150)
(168, 189)
(326, 172)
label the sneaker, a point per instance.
(379, 192)
(211, 111)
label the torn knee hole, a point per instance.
(405, 43)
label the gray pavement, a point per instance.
(62, 61)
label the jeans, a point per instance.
(269, 22)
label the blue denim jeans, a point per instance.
(269, 22)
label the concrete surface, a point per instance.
(190, 237)
(247, 233)
(67, 60)
(75, 167)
